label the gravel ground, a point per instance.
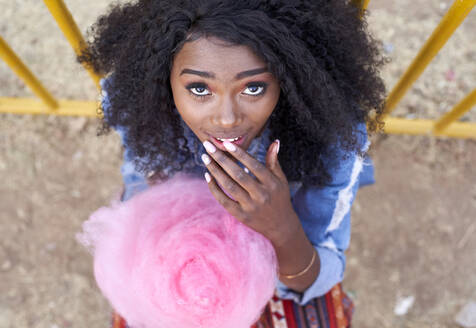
(412, 231)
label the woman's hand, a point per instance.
(264, 203)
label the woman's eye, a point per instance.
(199, 91)
(254, 90)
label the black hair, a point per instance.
(325, 60)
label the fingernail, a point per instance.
(206, 159)
(229, 146)
(209, 146)
(207, 177)
(246, 170)
(277, 148)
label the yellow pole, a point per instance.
(395, 125)
(20, 69)
(458, 111)
(35, 106)
(453, 18)
(365, 5)
(70, 30)
(361, 3)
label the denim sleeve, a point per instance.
(134, 181)
(325, 216)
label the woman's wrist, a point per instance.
(300, 273)
(300, 259)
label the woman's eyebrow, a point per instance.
(238, 76)
(251, 72)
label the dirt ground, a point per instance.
(413, 231)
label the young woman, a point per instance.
(270, 101)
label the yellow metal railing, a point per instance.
(70, 30)
(445, 121)
(448, 24)
(362, 4)
(447, 125)
(20, 69)
(48, 105)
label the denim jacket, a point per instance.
(324, 212)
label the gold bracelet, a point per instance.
(292, 276)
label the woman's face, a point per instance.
(223, 91)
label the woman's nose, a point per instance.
(227, 114)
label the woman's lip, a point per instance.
(220, 146)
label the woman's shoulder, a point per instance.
(346, 167)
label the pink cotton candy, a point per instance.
(172, 257)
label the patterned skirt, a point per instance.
(333, 310)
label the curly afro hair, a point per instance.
(320, 51)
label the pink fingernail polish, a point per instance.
(207, 177)
(206, 159)
(229, 146)
(209, 146)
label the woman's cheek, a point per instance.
(260, 110)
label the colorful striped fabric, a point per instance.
(333, 310)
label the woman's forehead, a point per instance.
(216, 56)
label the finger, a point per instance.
(270, 155)
(272, 160)
(233, 169)
(258, 169)
(229, 186)
(229, 204)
